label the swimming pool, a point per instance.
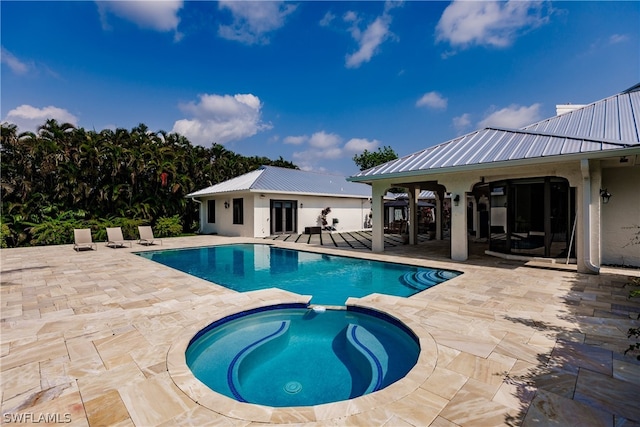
(329, 279)
(293, 355)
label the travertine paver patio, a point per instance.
(87, 339)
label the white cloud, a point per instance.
(221, 119)
(489, 23)
(148, 14)
(296, 140)
(252, 21)
(350, 16)
(321, 145)
(327, 19)
(12, 62)
(371, 38)
(29, 118)
(324, 140)
(358, 145)
(513, 116)
(462, 123)
(432, 100)
(618, 38)
(324, 145)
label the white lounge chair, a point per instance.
(115, 239)
(146, 236)
(82, 240)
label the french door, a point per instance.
(284, 216)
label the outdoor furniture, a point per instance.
(146, 235)
(312, 230)
(115, 238)
(82, 240)
(530, 240)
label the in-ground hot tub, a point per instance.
(294, 355)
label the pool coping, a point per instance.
(201, 394)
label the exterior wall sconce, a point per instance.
(226, 205)
(605, 195)
(301, 205)
(456, 200)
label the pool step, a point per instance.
(424, 279)
(265, 335)
(373, 351)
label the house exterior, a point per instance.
(565, 187)
(273, 200)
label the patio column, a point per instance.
(438, 216)
(377, 206)
(588, 213)
(459, 239)
(413, 193)
(458, 187)
(476, 216)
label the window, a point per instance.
(211, 211)
(238, 211)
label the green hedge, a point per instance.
(59, 230)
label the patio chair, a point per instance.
(82, 240)
(146, 236)
(115, 239)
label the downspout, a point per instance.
(586, 216)
(199, 212)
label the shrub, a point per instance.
(5, 233)
(634, 332)
(168, 226)
(129, 227)
(55, 230)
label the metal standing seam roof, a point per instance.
(609, 124)
(272, 179)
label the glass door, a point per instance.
(283, 216)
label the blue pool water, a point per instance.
(295, 356)
(329, 279)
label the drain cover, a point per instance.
(292, 387)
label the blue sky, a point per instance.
(312, 81)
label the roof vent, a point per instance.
(567, 108)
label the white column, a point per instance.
(377, 205)
(438, 217)
(588, 207)
(413, 194)
(459, 239)
(476, 217)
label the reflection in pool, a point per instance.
(329, 279)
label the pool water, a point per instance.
(329, 279)
(296, 356)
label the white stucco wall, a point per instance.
(224, 216)
(350, 212)
(620, 220)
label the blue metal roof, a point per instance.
(610, 124)
(271, 179)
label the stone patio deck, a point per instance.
(87, 339)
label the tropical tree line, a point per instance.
(63, 177)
